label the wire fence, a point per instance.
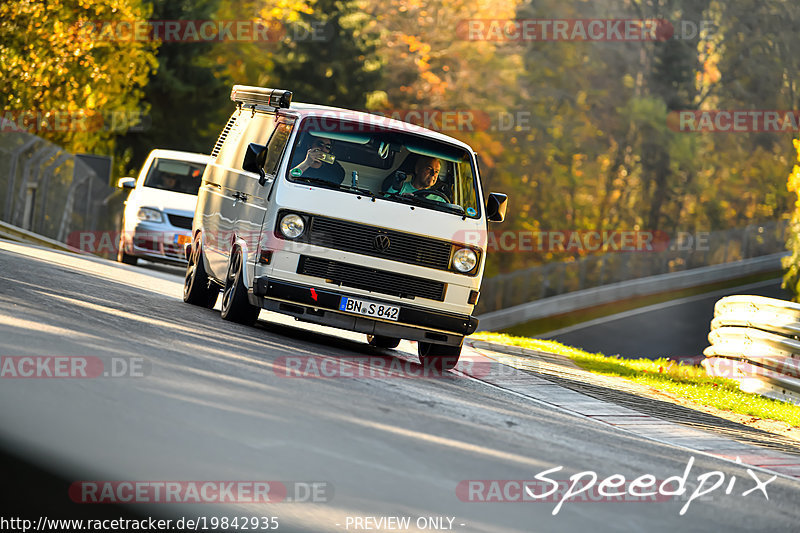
(552, 279)
(49, 191)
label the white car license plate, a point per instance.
(367, 308)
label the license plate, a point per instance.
(182, 240)
(367, 308)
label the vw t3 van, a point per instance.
(342, 218)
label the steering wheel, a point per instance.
(436, 192)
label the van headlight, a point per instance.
(149, 214)
(292, 226)
(465, 259)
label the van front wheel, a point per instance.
(235, 306)
(197, 288)
(439, 356)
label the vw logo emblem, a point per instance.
(381, 243)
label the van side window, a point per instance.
(275, 147)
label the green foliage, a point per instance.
(189, 95)
(593, 144)
(329, 57)
(603, 150)
(50, 65)
(791, 279)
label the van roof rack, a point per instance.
(253, 96)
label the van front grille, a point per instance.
(371, 279)
(378, 242)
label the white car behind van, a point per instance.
(157, 221)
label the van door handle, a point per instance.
(240, 196)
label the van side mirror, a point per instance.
(254, 159)
(496, 207)
(126, 183)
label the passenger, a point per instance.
(314, 167)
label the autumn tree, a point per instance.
(189, 94)
(328, 56)
(54, 64)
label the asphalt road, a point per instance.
(678, 328)
(213, 406)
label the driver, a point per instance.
(169, 182)
(426, 172)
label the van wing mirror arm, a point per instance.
(254, 159)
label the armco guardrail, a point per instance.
(553, 279)
(574, 301)
(755, 340)
(7, 231)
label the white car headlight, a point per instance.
(150, 215)
(292, 226)
(464, 259)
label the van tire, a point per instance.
(198, 289)
(235, 305)
(379, 341)
(440, 357)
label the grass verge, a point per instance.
(684, 381)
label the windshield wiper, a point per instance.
(365, 192)
(317, 181)
(405, 197)
(425, 202)
(331, 185)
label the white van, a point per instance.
(342, 218)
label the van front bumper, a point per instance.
(321, 306)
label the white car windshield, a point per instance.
(174, 175)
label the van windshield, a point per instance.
(392, 165)
(175, 175)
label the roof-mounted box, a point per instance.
(248, 95)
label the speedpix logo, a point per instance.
(587, 486)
